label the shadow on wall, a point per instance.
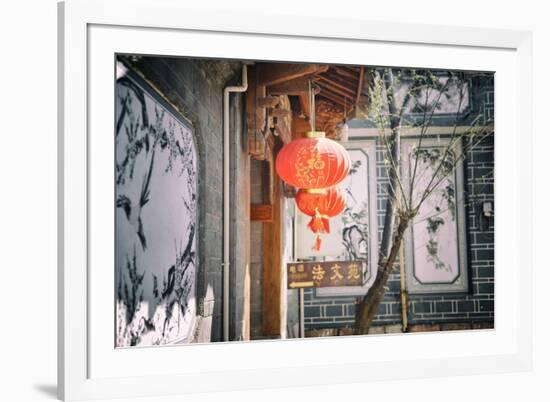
(49, 390)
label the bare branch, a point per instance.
(424, 129)
(458, 160)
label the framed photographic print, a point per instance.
(243, 202)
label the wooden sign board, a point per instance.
(261, 212)
(321, 274)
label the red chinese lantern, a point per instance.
(313, 162)
(320, 204)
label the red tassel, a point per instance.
(319, 223)
(326, 225)
(316, 224)
(317, 245)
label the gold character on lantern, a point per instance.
(313, 162)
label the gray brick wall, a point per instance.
(477, 305)
(195, 89)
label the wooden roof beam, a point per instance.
(343, 99)
(296, 86)
(338, 85)
(275, 73)
(345, 72)
(346, 81)
(333, 98)
(328, 84)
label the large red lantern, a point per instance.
(320, 204)
(313, 162)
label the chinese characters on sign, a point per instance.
(320, 274)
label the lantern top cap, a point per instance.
(315, 190)
(314, 134)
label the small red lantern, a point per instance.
(313, 162)
(320, 204)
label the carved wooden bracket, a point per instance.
(267, 102)
(256, 102)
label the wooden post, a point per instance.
(299, 127)
(272, 286)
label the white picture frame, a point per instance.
(89, 34)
